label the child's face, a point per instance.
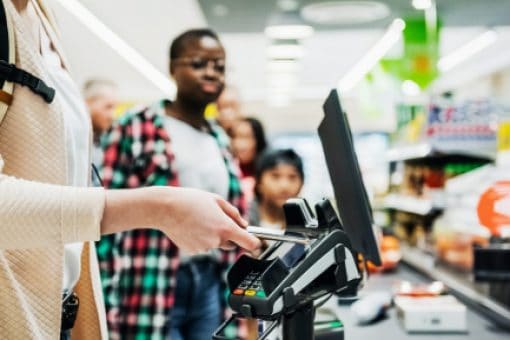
(278, 184)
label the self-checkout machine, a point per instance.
(318, 253)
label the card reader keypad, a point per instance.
(251, 285)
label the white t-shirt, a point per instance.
(77, 134)
(198, 158)
(198, 162)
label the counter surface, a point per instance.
(479, 328)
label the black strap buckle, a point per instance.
(44, 90)
(13, 74)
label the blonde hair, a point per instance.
(98, 87)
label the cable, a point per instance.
(96, 172)
(320, 303)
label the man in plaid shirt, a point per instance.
(153, 291)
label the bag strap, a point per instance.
(8, 54)
(9, 73)
(13, 74)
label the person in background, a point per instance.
(229, 109)
(248, 141)
(278, 176)
(49, 218)
(184, 299)
(101, 99)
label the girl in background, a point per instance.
(248, 142)
(278, 176)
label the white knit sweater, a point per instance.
(39, 214)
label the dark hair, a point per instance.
(272, 158)
(258, 133)
(179, 43)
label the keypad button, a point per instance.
(261, 293)
(250, 292)
(238, 291)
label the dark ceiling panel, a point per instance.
(253, 15)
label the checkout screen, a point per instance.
(290, 253)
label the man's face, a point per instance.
(102, 108)
(278, 184)
(199, 71)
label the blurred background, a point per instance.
(425, 84)
(286, 80)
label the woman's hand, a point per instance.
(193, 219)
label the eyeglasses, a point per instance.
(197, 63)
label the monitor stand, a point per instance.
(299, 324)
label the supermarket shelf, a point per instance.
(427, 150)
(419, 206)
(425, 263)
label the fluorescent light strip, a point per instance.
(123, 49)
(465, 52)
(369, 60)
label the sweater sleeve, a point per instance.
(34, 214)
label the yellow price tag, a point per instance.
(504, 136)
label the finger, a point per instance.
(232, 212)
(244, 239)
(228, 245)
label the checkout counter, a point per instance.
(478, 327)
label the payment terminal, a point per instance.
(317, 254)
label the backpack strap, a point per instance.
(8, 54)
(9, 73)
(13, 74)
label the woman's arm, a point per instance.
(34, 214)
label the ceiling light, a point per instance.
(282, 80)
(410, 88)
(277, 66)
(117, 44)
(295, 31)
(372, 57)
(344, 12)
(287, 25)
(285, 51)
(422, 4)
(467, 51)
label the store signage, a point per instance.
(494, 207)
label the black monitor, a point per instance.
(351, 198)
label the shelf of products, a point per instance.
(428, 150)
(443, 161)
(414, 205)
